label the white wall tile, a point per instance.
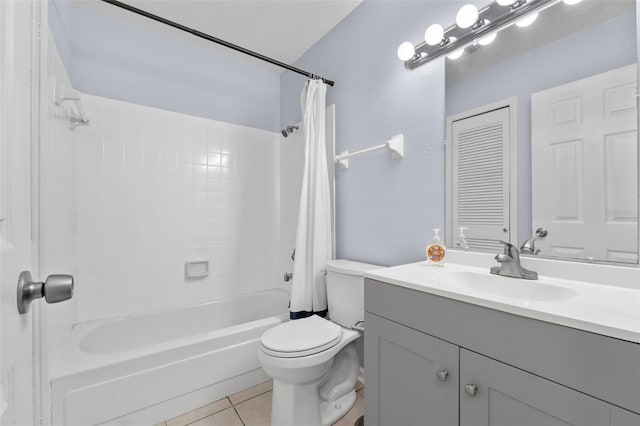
(155, 189)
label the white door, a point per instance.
(584, 167)
(481, 185)
(16, 331)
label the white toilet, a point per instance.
(314, 361)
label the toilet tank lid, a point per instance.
(350, 267)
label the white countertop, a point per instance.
(609, 310)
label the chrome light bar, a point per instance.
(491, 19)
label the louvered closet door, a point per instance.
(480, 181)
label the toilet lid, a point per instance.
(301, 337)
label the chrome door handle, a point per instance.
(56, 288)
(471, 390)
(442, 375)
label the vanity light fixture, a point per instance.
(468, 17)
(485, 41)
(406, 51)
(525, 22)
(456, 53)
(434, 35)
(472, 27)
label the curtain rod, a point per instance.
(215, 39)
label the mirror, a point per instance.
(547, 114)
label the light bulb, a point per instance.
(456, 53)
(434, 34)
(406, 51)
(506, 2)
(572, 2)
(525, 22)
(467, 16)
(485, 41)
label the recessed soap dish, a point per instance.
(196, 268)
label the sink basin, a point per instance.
(502, 286)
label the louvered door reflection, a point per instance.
(480, 181)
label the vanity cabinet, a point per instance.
(503, 369)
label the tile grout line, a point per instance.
(260, 394)
(238, 414)
(209, 415)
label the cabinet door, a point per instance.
(507, 396)
(404, 387)
(620, 417)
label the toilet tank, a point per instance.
(345, 290)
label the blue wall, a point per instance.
(568, 59)
(112, 53)
(385, 208)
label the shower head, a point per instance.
(290, 129)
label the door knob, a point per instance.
(56, 288)
(471, 390)
(442, 375)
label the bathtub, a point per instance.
(143, 369)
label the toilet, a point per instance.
(314, 361)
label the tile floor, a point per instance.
(250, 407)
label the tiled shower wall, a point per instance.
(155, 189)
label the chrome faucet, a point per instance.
(529, 246)
(510, 264)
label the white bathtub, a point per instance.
(147, 368)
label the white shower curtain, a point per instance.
(313, 237)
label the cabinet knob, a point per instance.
(442, 375)
(471, 390)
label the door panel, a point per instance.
(508, 396)
(621, 417)
(584, 167)
(16, 362)
(403, 388)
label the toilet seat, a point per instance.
(299, 338)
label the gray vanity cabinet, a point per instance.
(496, 394)
(410, 376)
(503, 369)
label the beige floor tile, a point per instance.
(247, 394)
(227, 417)
(256, 411)
(199, 413)
(350, 418)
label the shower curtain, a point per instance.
(313, 236)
